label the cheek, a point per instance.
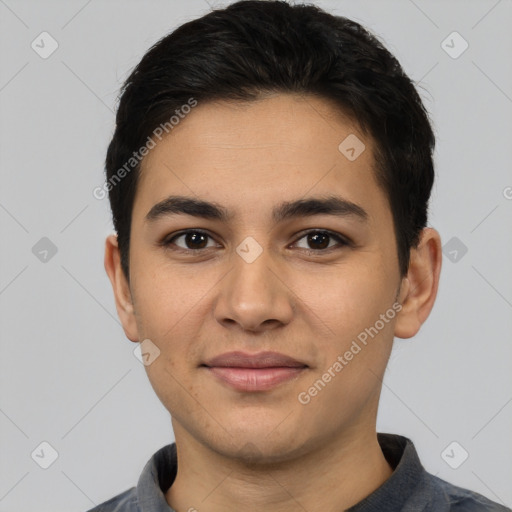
(166, 298)
(359, 341)
(354, 358)
(171, 308)
(347, 299)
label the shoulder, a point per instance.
(464, 500)
(123, 502)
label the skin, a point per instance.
(265, 450)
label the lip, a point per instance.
(254, 372)
(259, 360)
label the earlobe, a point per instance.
(120, 287)
(419, 288)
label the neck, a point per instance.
(334, 476)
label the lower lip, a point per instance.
(255, 379)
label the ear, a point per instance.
(121, 288)
(419, 288)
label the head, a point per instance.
(299, 154)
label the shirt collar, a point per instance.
(160, 472)
(156, 477)
(408, 472)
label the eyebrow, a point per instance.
(330, 205)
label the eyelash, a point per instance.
(342, 241)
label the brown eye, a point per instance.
(318, 241)
(192, 240)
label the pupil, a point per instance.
(314, 238)
(192, 239)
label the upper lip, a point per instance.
(258, 360)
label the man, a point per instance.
(269, 179)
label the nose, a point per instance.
(254, 296)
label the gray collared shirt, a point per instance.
(409, 489)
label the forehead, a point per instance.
(250, 155)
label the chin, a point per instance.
(260, 446)
(258, 452)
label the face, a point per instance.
(305, 282)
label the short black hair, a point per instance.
(253, 48)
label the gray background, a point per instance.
(68, 374)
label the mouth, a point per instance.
(254, 372)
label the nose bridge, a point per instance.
(252, 268)
(252, 295)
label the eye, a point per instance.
(320, 241)
(193, 239)
(196, 240)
